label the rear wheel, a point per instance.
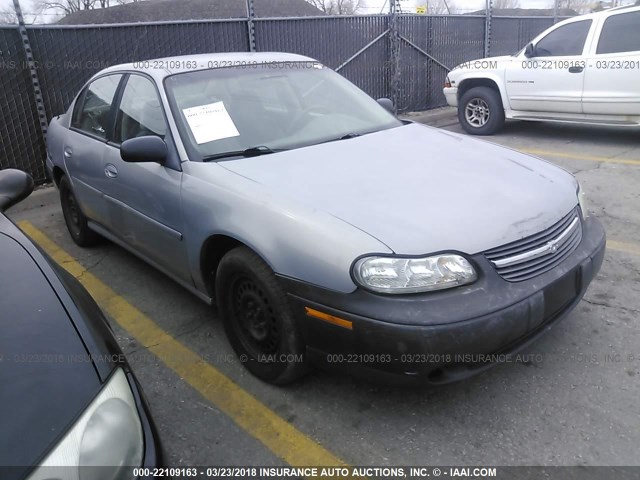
(76, 222)
(257, 318)
(480, 111)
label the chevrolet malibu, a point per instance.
(324, 229)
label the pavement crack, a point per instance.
(174, 337)
(97, 262)
(590, 169)
(608, 305)
(191, 330)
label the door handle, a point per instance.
(575, 69)
(68, 152)
(111, 171)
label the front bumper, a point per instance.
(451, 94)
(447, 335)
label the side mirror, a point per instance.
(530, 51)
(387, 104)
(144, 149)
(15, 186)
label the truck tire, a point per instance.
(480, 111)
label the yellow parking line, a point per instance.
(573, 156)
(279, 436)
(623, 247)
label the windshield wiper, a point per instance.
(346, 136)
(247, 152)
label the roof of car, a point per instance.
(163, 67)
(180, 10)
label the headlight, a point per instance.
(108, 434)
(412, 275)
(582, 201)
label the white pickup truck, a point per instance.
(582, 70)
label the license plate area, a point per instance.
(561, 293)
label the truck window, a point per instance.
(564, 41)
(620, 33)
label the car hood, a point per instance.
(418, 189)
(46, 377)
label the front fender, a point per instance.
(295, 240)
(496, 77)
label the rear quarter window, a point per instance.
(92, 112)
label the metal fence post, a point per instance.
(487, 27)
(394, 50)
(33, 71)
(555, 11)
(251, 31)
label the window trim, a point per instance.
(79, 104)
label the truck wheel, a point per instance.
(257, 318)
(76, 222)
(480, 111)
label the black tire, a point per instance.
(480, 111)
(76, 222)
(257, 318)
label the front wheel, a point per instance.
(480, 111)
(257, 318)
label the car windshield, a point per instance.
(270, 107)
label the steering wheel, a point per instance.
(305, 116)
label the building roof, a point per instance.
(173, 10)
(528, 12)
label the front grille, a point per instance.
(539, 253)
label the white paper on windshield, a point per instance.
(210, 122)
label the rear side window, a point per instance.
(564, 41)
(140, 112)
(91, 114)
(620, 33)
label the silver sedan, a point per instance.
(326, 230)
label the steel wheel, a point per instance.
(258, 319)
(257, 325)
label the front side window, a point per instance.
(92, 113)
(140, 113)
(278, 106)
(620, 33)
(564, 41)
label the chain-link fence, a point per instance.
(411, 71)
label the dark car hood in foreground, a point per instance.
(421, 190)
(46, 379)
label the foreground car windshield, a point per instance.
(277, 106)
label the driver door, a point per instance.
(144, 198)
(552, 79)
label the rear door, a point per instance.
(552, 80)
(144, 198)
(86, 144)
(612, 78)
